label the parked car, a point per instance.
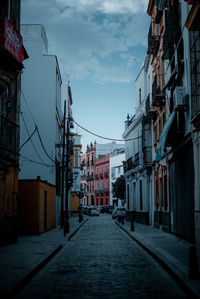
(119, 212)
(110, 208)
(94, 211)
(86, 210)
(104, 209)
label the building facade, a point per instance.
(102, 181)
(12, 55)
(172, 138)
(116, 170)
(41, 113)
(93, 162)
(193, 26)
(76, 165)
(138, 156)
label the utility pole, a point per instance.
(67, 185)
(63, 168)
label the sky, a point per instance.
(100, 46)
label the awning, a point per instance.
(163, 137)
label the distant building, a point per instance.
(116, 170)
(83, 183)
(76, 165)
(102, 181)
(96, 160)
(41, 106)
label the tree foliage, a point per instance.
(119, 188)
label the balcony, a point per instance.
(172, 32)
(158, 17)
(89, 177)
(106, 192)
(105, 175)
(158, 98)
(96, 177)
(9, 134)
(101, 176)
(101, 192)
(128, 165)
(137, 159)
(150, 112)
(153, 42)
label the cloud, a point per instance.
(85, 33)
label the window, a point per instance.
(141, 199)
(163, 119)
(165, 193)
(140, 96)
(128, 197)
(160, 127)
(106, 186)
(113, 172)
(156, 194)
(106, 168)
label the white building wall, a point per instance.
(40, 99)
(116, 170)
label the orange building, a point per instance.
(37, 206)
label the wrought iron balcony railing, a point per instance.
(153, 42)
(158, 97)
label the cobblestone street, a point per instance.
(101, 261)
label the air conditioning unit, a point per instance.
(179, 97)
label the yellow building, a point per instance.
(75, 191)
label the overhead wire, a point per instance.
(39, 135)
(102, 137)
(36, 162)
(30, 139)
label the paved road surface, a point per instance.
(102, 262)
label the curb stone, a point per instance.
(75, 231)
(25, 280)
(168, 263)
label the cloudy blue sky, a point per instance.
(101, 45)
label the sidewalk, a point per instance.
(20, 261)
(169, 250)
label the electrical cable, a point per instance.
(107, 138)
(28, 139)
(28, 159)
(42, 144)
(29, 109)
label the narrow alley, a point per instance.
(101, 261)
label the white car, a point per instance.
(94, 212)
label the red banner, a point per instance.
(11, 39)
